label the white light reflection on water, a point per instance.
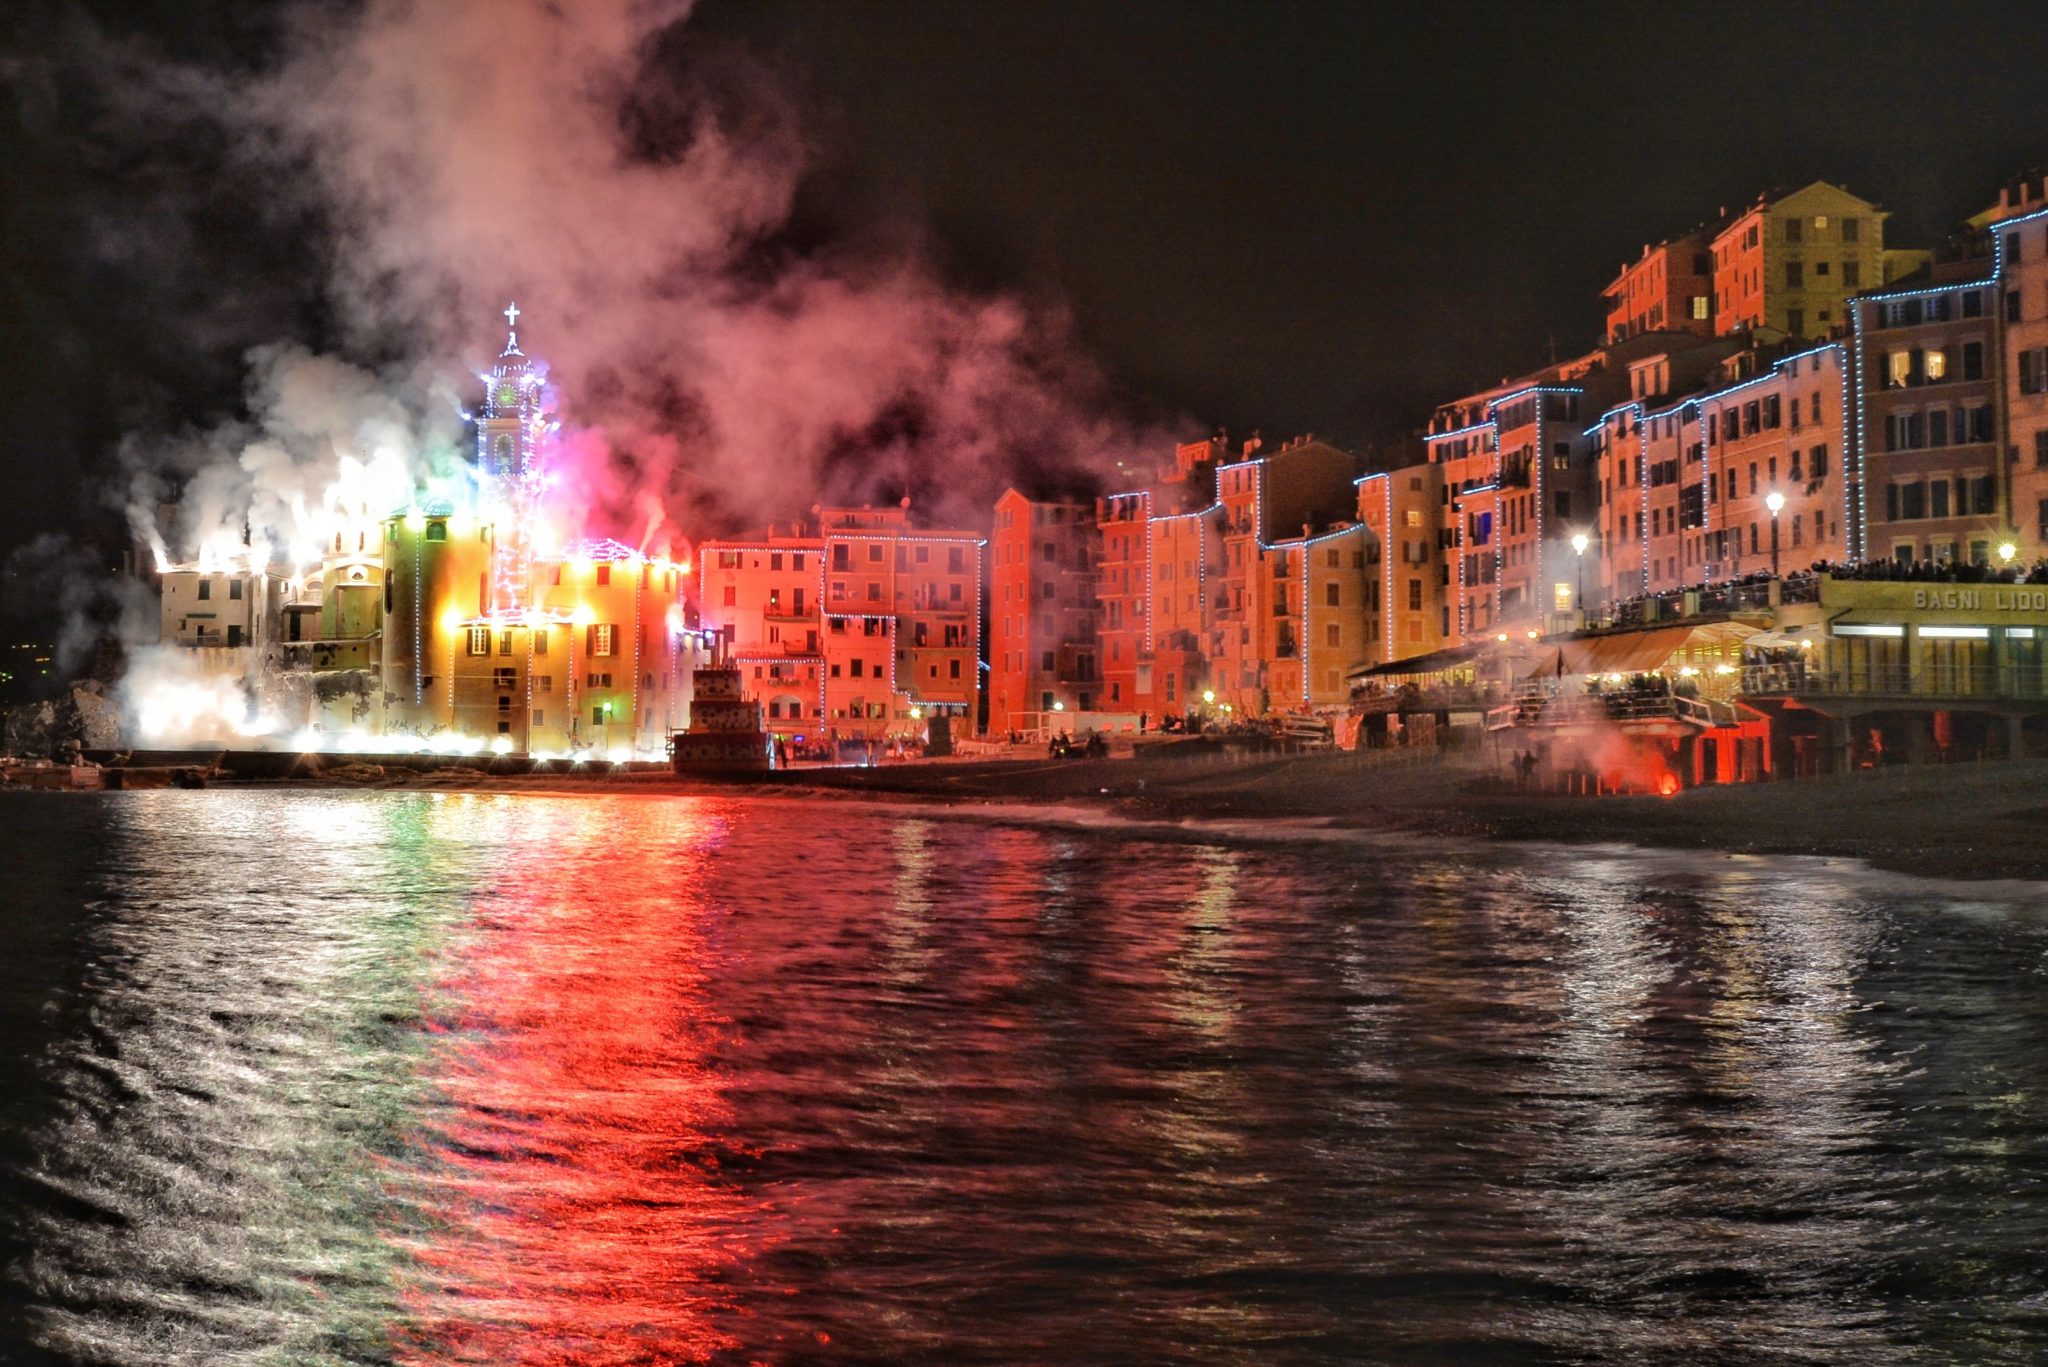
(227, 1077)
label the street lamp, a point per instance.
(1209, 697)
(1579, 544)
(2006, 551)
(1775, 501)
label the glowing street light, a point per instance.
(1209, 697)
(2006, 551)
(1775, 501)
(1059, 705)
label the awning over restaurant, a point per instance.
(1435, 662)
(1632, 652)
(1616, 652)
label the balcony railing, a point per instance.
(1599, 709)
(1930, 680)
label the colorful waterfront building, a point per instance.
(1269, 504)
(855, 626)
(1686, 486)
(1669, 288)
(1521, 476)
(1787, 265)
(2019, 222)
(495, 629)
(1403, 510)
(1043, 609)
(1927, 399)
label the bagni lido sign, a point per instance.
(1998, 598)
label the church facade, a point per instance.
(467, 628)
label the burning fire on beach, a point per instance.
(1608, 763)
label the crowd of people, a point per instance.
(1939, 572)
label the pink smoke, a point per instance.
(470, 153)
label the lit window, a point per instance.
(479, 640)
(1898, 365)
(1937, 365)
(601, 638)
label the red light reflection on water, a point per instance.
(567, 1196)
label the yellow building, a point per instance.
(1404, 509)
(1877, 671)
(1787, 265)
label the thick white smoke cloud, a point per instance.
(467, 153)
(325, 445)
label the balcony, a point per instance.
(1931, 681)
(1627, 707)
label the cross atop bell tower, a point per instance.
(512, 327)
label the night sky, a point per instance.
(1291, 217)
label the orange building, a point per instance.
(1669, 288)
(1123, 570)
(858, 627)
(1043, 650)
(1153, 553)
(1515, 482)
(1185, 547)
(1520, 476)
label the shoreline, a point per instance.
(1968, 822)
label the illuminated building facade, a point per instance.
(2021, 226)
(859, 626)
(1123, 574)
(1927, 391)
(1669, 288)
(1684, 486)
(1043, 648)
(1402, 509)
(459, 623)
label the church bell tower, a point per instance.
(510, 479)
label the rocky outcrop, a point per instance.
(83, 717)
